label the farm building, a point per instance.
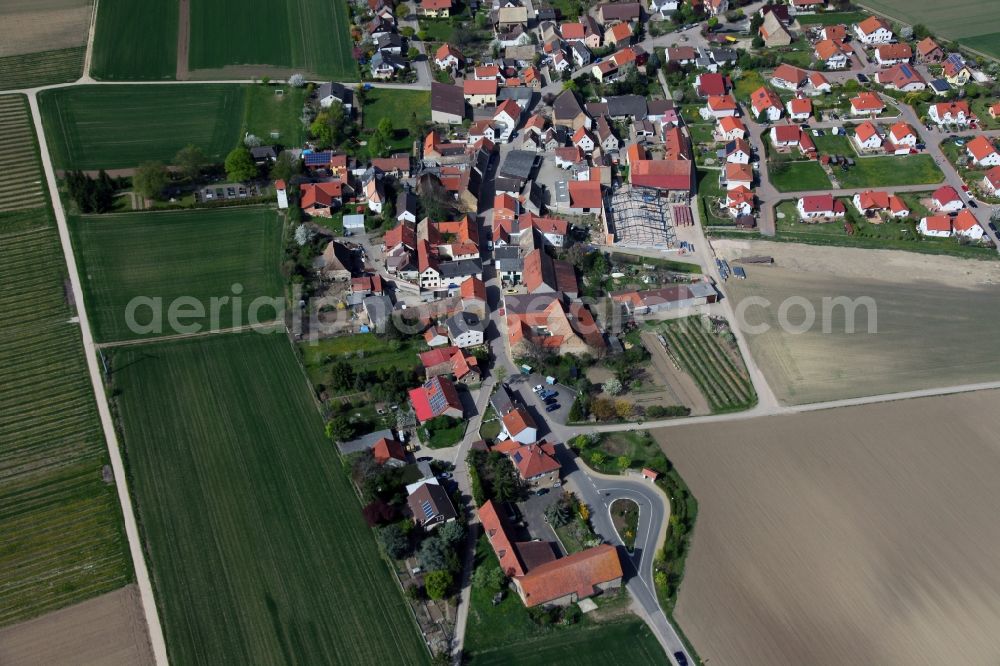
(571, 578)
(673, 297)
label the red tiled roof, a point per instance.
(900, 130)
(867, 101)
(993, 177)
(965, 220)
(981, 147)
(585, 194)
(435, 4)
(572, 31)
(388, 449)
(437, 356)
(729, 123)
(945, 194)
(799, 105)
(579, 574)
(926, 45)
(477, 87)
(496, 531)
(894, 52)
(434, 398)
(789, 73)
(739, 172)
(937, 223)
(321, 193)
(865, 131)
(662, 174)
(721, 103)
(872, 24)
(533, 460)
(473, 288)
(822, 203)
(764, 98)
(518, 420)
(786, 133)
(446, 50)
(712, 84)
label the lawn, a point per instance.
(399, 107)
(891, 170)
(364, 349)
(980, 107)
(296, 35)
(746, 84)
(246, 511)
(798, 176)
(833, 144)
(199, 254)
(832, 18)
(135, 40)
(709, 194)
(41, 69)
(112, 127)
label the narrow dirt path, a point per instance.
(183, 40)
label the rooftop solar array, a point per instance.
(428, 509)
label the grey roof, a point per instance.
(501, 401)
(508, 258)
(462, 322)
(940, 85)
(566, 105)
(546, 14)
(336, 90)
(390, 40)
(582, 49)
(379, 309)
(562, 192)
(364, 441)
(447, 99)
(460, 268)
(354, 222)
(518, 164)
(406, 200)
(626, 105)
(721, 55)
(264, 152)
(517, 93)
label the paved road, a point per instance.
(114, 452)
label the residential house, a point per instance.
(946, 200)
(663, 7)
(835, 33)
(448, 58)
(935, 226)
(581, 54)
(806, 6)
(480, 92)
(991, 182)
(507, 115)
(711, 84)
(329, 93)
(610, 14)
(605, 136)
(584, 140)
(518, 426)
(773, 32)
(902, 135)
(737, 175)
(966, 225)
(434, 8)
(321, 199)
(873, 30)
(585, 196)
(956, 71)
(338, 262)
(437, 397)
(739, 201)
(720, 106)
(435, 336)
(515, 558)
(866, 137)
(385, 65)
(389, 452)
(429, 503)
(716, 7)
(818, 84)
(374, 191)
(391, 43)
(672, 297)
(544, 275)
(566, 111)
(994, 110)
(465, 329)
(833, 54)
(903, 77)
(567, 580)
(799, 110)
(738, 151)
(731, 128)
(766, 104)
(788, 77)
(866, 103)
(892, 54)
(536, 464)
(619, 35)
(820, 206)
(950, 113)
(872, 202)
(928, 51)
(982, 152)
(682, 55)
(551, 322)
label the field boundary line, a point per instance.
(89, 53)
(956, 42)
(269, 328)
(153, 627)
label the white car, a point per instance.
(538, 389)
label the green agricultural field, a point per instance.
(798, 176)
(832, 18)
(41, 69)
(399, 107)
(135, 40)
(61, 539)
(721, 379)
(891, 170)
(199, 254)
(247, 513)
(297, 35)
(119, 127)
(22, 185)
(973, 23)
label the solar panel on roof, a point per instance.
(517, 457)
(428, 509)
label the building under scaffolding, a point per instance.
(641, 217)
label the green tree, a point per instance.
(416, 127)
(239, 164)
(438, 583)
(452, 533)
(489, 578)
(393, 541)
(559, 514)
(578, 411)
(190, 159)
(150, 179)
(597, 458)
(284, 167)
(339, 429)
(433, 554)
(624, 462)
(321, 130)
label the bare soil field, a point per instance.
(107, 630)
(934, 318)
(43, 25)
(862, 535)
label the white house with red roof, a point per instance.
(833, 53)
(903, 77)
(820, 206)
(866, 103)
(765, 101)
(947, 200)
(448, 57)
(866, 137)
(282, 193)
(788, 77)
(730, 128)
(950, 113)
(982, 152)
(966, 225)
(893, 54)
(720, 106)
(536, 464)
(799, 109)
(901, 134)
(507, 115)
(991, 182)
(871, 202)
(935, 226)
(517, 425)
(739, 201)
(738, 151)
(583, 140)
(873, 30)
(818, 84)
(737, 175)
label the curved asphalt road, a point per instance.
(599, 491)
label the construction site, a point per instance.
(646, 217)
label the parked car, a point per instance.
(965, 188)
(862, 78)
(973, 204)
(538, 388)
(549, 400)
(553, 407)
(547, 393)
(680, 658)
(424, 459)
(444, 475)
(541, 491)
